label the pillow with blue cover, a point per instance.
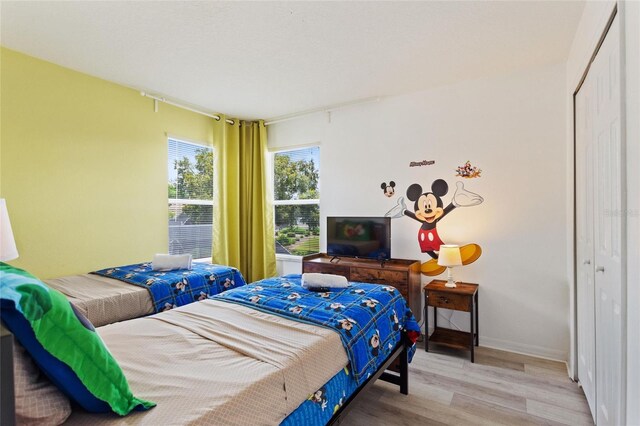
(64, 344)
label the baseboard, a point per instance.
(520, 348)
(524, 349)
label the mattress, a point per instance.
(104, 300)
(214, 362)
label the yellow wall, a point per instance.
(83, 166)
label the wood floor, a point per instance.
(501, 388)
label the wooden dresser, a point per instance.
(400, 273)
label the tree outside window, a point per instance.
(297, 201)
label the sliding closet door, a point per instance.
(609, 230)
(585, 269)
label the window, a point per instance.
(297, 201)
(190, 198)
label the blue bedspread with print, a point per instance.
(368, 317)
(180, 287)
(321, 405)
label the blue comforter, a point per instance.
(368, 317)
(180, 287)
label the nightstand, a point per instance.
(463, 297)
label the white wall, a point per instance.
(513, 127)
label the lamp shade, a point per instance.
(8, 250)
(449, 255)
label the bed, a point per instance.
(234, 360)
(122, 293)
(266, 353)
(104, 300)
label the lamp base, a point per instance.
(450, 282)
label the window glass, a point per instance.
(297, 201)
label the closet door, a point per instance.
(585, 269)
(600, 230)
(609, 230)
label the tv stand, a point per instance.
(334, 258)
(402, 274)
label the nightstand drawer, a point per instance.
(449, 301)
(377, 276)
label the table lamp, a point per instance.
(449, 256)
(8, 250)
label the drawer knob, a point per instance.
(444, 299)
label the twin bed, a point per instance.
(126, 292)
(266, 353)
(104, 300)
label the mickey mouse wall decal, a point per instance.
(468, 171)
(428, 209)
(389, 190)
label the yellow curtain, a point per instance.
(243, 233)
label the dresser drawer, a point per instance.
(378, 276)
(449, 301)
(325, 269)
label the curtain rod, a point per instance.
(274, 120)
(329, 108)
(159, 99)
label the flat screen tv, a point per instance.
(364, 237)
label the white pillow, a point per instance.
(169, 262)
(312, 279)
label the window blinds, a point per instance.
(190, 194)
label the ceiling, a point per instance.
(268, 59)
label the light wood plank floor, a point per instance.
(500, 388)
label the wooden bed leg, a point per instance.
(404, 371)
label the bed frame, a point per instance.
(401, 379)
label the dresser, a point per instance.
(402, 274)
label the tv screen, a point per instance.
(367, 237)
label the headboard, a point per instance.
(7, 398)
